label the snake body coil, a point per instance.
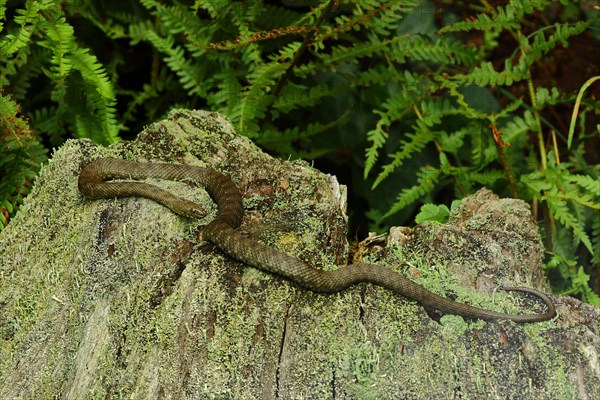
(222, 231)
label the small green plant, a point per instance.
(435, 213)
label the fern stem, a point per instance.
(487, 5)
(538, 128)
(555, 147)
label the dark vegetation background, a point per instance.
(406, 102)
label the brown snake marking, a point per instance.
(222, 231)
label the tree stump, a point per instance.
(122, 298)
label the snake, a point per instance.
(112, 177)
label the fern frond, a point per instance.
(519, 126)
(564, 215)
(567, 197)
(485, 75)
(452, 142)
(416, 141)
(92, 71)
(487, 177)
(44, 120)
(61, 36)
(587, 182)
(282, 141)
(226, 93)
(394, 108)
(378, 137)
(103, 116)
(400, 48)
(344, 54)
(536, 182)
(189, 74)
(286, 54)
(2, 13)
(177, 19)
(138, 31)
(442, 50)
(58, 95)
(275, 16)
(432, 112)
(294, 96)
(499, 18)
(28, 19)
(542, 45)
(22, 70)
(427, 178)
(250, 108)
(22, 155)
(377, 75)
(596, 240)
(13, 43)
(384, 16)
(253, 102)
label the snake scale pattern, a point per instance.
(95, 182)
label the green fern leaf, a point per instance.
(500, 18)
(378, 137)
(564, 215)
(596, 240)
(486, 178)
(377, 75)
(189, 74)
(22, 155)
(587, 182)
(295, 96)
(13, 43)
(542, 45)
(344, 54)
(250, 108)
(442, 50)
(28, 19)
(282, 142)
(92, 71)
(427, 177)
(415, 143)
